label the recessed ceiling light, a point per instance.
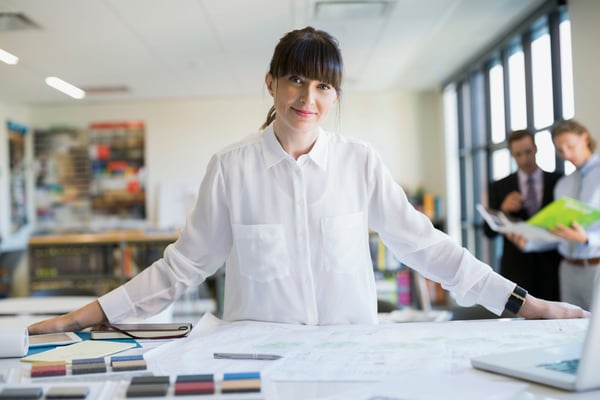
(350, 9)
(65, 87)
(8, 57)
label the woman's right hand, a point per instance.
(88, 315)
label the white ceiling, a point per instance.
(162, 49)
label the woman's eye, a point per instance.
(324, 86)
(295, 79)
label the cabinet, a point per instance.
(96, 262)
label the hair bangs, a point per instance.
(314, 56)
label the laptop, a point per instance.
(572, 367)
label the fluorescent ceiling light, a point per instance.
(65, 87)
(8, 58)
(351, 9)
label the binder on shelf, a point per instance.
(383, 259)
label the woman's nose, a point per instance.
(308, 94)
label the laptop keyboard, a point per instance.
(566, 366)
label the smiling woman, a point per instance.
(288, 211)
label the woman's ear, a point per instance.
(269, 81)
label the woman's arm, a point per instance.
(88, 315)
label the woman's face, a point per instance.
(573, 147)
(301, 104)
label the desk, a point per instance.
(51, 305)
(23, 311)
(395, 351)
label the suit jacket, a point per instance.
(535, 271)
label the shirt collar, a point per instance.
(524, 176)
(273, 153)
(589, 164)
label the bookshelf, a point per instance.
(97, 262)
(83, 175)
(117, 169)
(398, 284)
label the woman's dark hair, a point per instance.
(310, 53)
(572, 126)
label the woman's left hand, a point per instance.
(535, 308)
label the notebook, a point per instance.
(572, 367)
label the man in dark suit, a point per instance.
(520, 195)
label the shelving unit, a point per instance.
(400, 285)
(98, 262)
(62, 177)
(87, 174)
(117, 162)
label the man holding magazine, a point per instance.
(520, 195)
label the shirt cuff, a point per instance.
(116, 305)
(593, 239)
(497, 290)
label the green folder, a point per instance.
(564, 211)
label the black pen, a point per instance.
(247, 356)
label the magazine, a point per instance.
(564, 211)
(538, 239)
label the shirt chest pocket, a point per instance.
(261, 251)
(345, 242)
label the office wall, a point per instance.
(585, 32)
(182, 135)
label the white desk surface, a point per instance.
(448, 344)
(42, 305)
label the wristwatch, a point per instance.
(516, 300)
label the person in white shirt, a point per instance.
(288, 211)
(580, 248)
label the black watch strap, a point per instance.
(516, 300)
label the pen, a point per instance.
(247, 356)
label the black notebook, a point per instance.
(142, 331)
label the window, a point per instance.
(524, 82)
(497, 103)
(516, 85)
(541, 77)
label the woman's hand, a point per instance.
(574, 233)
(535, 308)
(88, 315)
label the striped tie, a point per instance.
(531, 202)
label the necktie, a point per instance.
(531, 203)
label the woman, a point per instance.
(288, 210)
(581, 249)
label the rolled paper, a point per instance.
(14, 342)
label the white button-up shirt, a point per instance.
(293, 235)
